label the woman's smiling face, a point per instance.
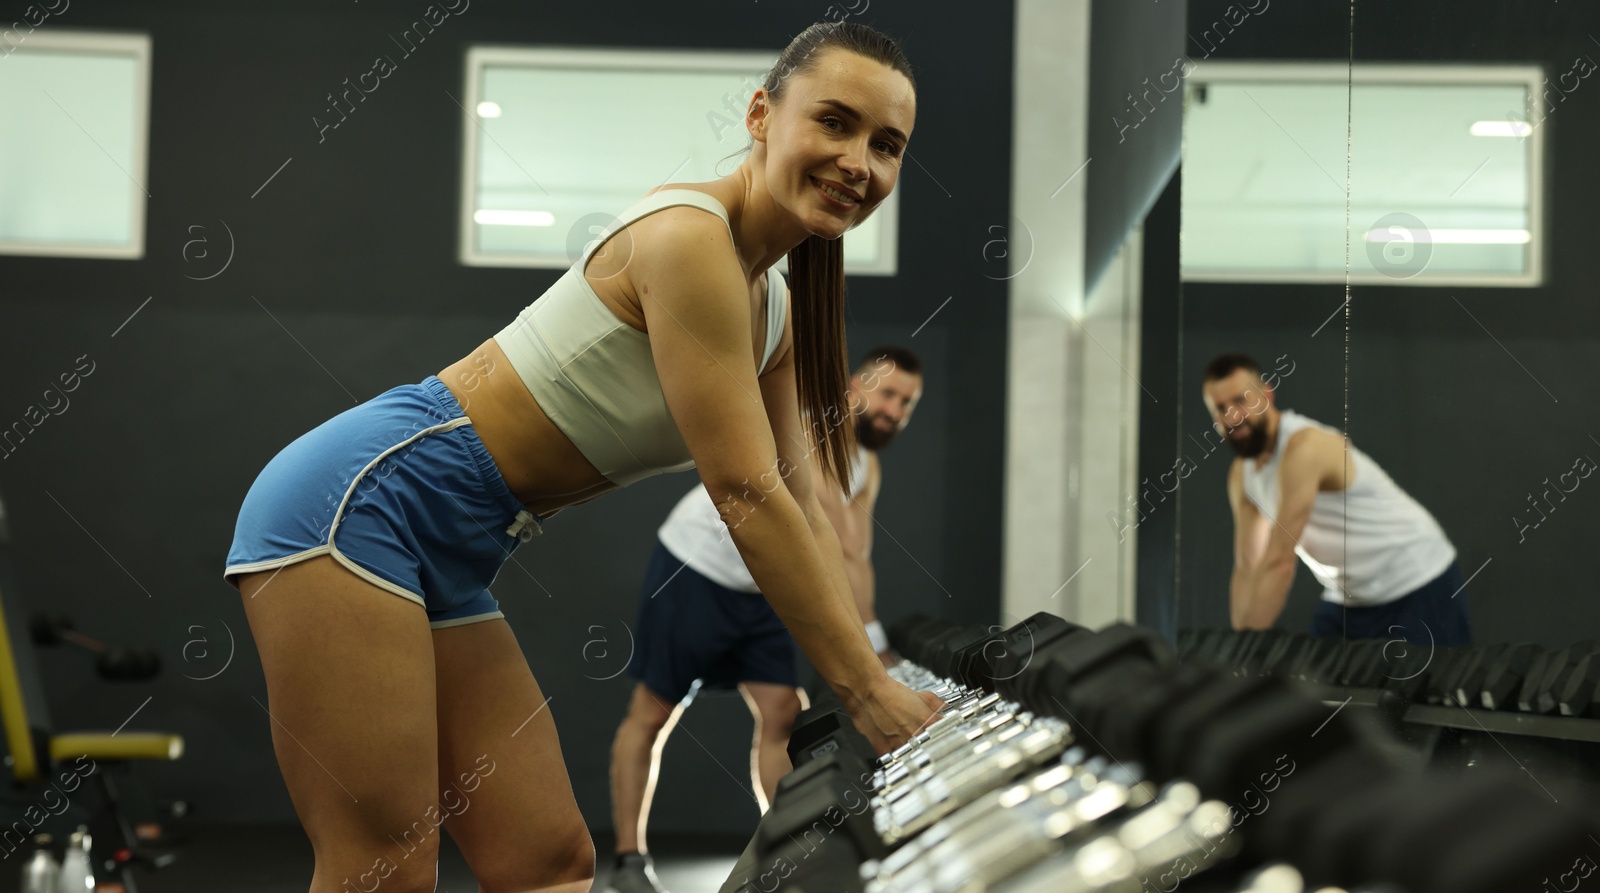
(835, 140)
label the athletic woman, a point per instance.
(400, 701)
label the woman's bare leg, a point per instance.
(350, 692)
(502, 780)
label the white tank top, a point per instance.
(695, 535)
(1368, 544)
(594, 375)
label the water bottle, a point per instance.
(76, 875)
(39, 876)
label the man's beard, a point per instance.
(1253, 444)
(871, 436)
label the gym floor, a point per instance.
(277, 859)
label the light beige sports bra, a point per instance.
(594, 374)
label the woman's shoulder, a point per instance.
(707, 190)
(677, 226)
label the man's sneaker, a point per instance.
(634, 874)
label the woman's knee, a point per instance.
(391, 866)
(566, 865)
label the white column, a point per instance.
(1047, 256)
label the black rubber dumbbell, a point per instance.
(1577, 694)
(1343, 830)
(1167, 736)
(1099, 698)
(1468, 686)
(1208, 644)
(908, 634)
(1283, 829)
(1363, 665)
(1324, 662)
(1507, 675)
(1122, 730)
(1185, 642)
(1557, 670)
(847, 763)
(1278, 655)
(923, 648)
(1004, 652)
(967, 660)
(1226, 653)
(1249, 642)
(820, 827)
(1407, 668)
(1271, 646)
(1442, 672)
(947, 655)
(933, 636)
(1484, 834)
(1522, 842)
(1528, 694)
(818, 731)
(1020, 647)
(1244, 744)
(1204, 642)
(1046, 687)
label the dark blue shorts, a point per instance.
(1435, 613)
(400, 491)
(690, 628)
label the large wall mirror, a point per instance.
(1389, 213)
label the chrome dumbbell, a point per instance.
(1173, 837)
(1072, 762)
(991, 764)
(895, 781)
(1010, 830)
(963, 738)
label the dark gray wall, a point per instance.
(344, 284)
(1469, 416)
(1135, 120)
(1160, 370)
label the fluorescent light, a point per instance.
(488, 109)
(1481, 236)
(1458, 236)
(513, 218)
(1501, 128)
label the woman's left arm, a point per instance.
(781, 397)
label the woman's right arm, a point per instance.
(697, 311)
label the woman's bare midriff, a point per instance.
(542, 468)
(540, 465)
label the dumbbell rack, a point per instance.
(1067, 760)
(1511, 689)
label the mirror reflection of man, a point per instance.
(1386, 567)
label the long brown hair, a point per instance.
(816, 266)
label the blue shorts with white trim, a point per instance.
(400, 491)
